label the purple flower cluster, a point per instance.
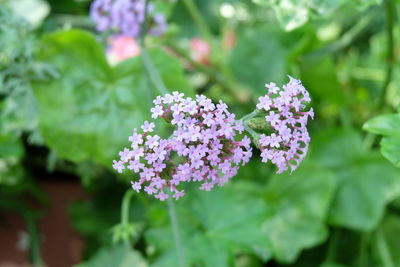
(126, 17)
(202, 147)
(287, 144)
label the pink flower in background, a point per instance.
(200, 51)
(229, 39)
(121, 48)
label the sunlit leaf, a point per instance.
(389, 126)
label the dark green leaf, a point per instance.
(259, 58)
(213, 226)
(216, 224)
(366, 181)
(300, 202)
(89, 112)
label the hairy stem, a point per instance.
(158, 82)
(175, 230)
(148, 64)
(126, 201)
(244, 121)
(249, 116)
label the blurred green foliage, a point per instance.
(65, 108)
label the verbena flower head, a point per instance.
(202, 147)
(126, 17)
(287, 144)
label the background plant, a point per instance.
(340, 208)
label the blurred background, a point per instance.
(71, 95)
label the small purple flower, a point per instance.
(287, 145)
(135, 165)
(148, 127)
(156, 112)
(118, 165)
(152, 141)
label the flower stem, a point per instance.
(333, 245)
(125, 206)
(383, 250)
(152, 72)
(175, 231)
(244, 121)
(148, 64)
(198, 20)
(389, 9)
(34, 240)
(249, 116)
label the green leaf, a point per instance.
(300, 203)
(315, 71)
(390, 147)
(116, 256)
(213, 226)
(366, 182)
(389, 126)
(89, 112)
(258, 58)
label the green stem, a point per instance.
(156, 79)
(363, 261)
(370, 138)
(249, 116)
(198, 20)
(152, 71)
(333, 244)
(148, 64)
(175, 231)
(125, 206)
(383, 250)
(347, 38)
(389, 9)
(34, 240)
(244, 121)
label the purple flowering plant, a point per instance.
(205, 146)
(126, 17)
